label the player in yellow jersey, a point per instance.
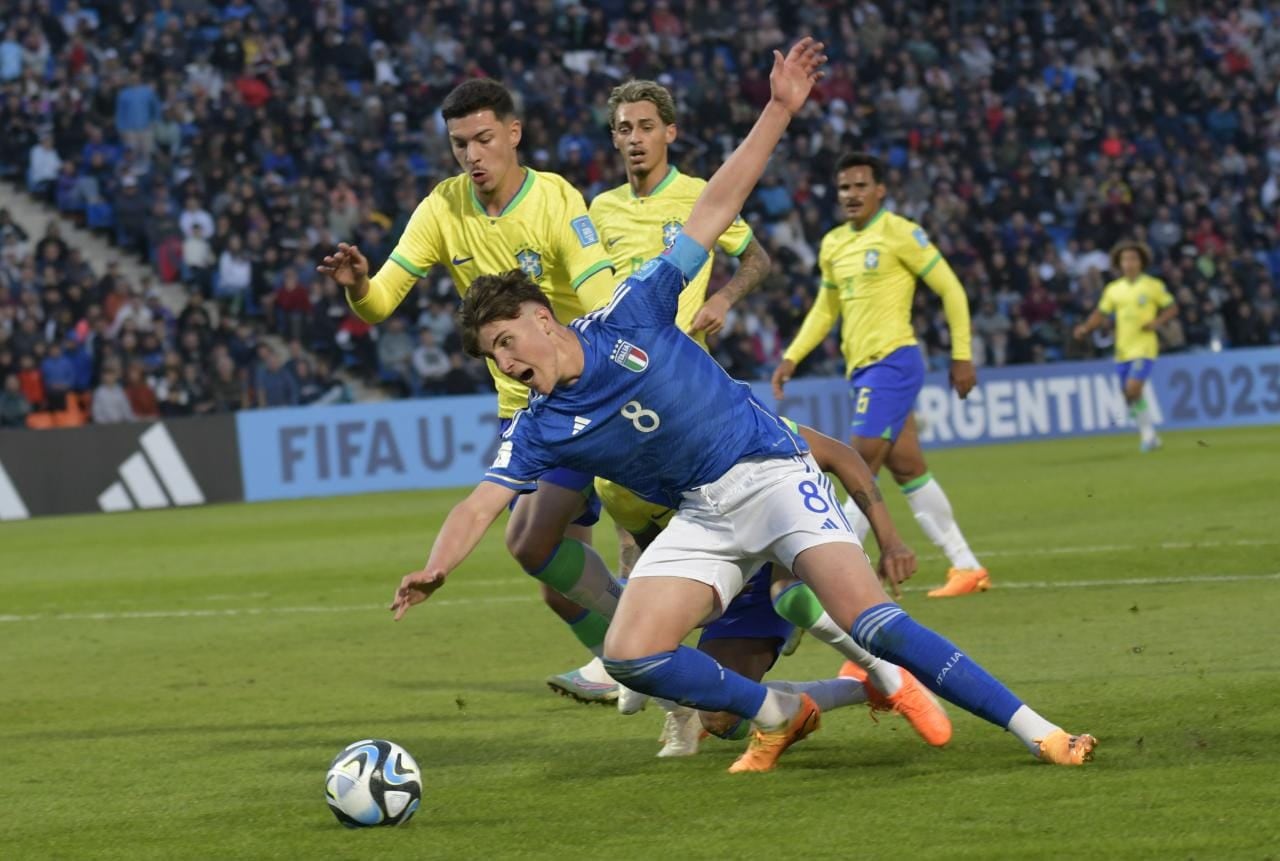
(869, 268)
(638, 221)
(494, 217)
(1140, 304)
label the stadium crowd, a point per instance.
(231, 144)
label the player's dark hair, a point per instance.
(495, 297)
(478, 94)
(864, 159)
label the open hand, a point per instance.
(794, 75)
(414, 589)
(347, 266)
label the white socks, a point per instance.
(778, 708)
(886, 677)
(827, 693)
(594, 670)
(1029, 727)
(933, 512)
(595, 588)
(1141, 413)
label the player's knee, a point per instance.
(636, 668)
(530, 547)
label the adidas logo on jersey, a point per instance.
(830, 524)
(579, 425)
(630, 356)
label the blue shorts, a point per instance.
(1135, 369)
(570, 479)
(884, 394)
(751, 616)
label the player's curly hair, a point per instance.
(1143, 252)
(478, 94)
(643, 91)
(494, 297)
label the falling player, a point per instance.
(495, 216)
(639, 392)
(869, 268)
(638, 220)
(1140, 304)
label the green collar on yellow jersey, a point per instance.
(512, 203)
(879, 212)
(672, 173)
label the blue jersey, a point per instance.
(651, 411)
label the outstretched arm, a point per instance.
(721, 201)
(462, 531)
(897, 561)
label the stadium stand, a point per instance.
(225, 146)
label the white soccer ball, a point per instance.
(373, 782)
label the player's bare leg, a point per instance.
(852, 595)
(933, 512)
(643, 651)
(535, 537)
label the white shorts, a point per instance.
(761, 510)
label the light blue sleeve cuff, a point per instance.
(687, 255)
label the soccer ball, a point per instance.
(373, 782)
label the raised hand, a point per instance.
(347, 266)
(794, 75)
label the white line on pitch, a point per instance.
(516, 599)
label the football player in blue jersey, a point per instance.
(623, 394)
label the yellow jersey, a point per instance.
(637, 229)
(1135, 304)
(868, 280)
(545, 230)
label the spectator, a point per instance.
(292, 306)
(310, 388)
(137, 111)
(226, 390)
(273, 385)
(142, 398)
(172, 395)
(395, 355)
(430, 364)
(458, 381)
(110, 403)
(235, 274)
(43, 167)
(198, 260)
(14, 408)
(58, 374)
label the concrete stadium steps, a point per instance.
(34, 215)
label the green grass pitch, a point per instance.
(175, 683)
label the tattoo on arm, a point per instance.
(865, 501)
(753, 265)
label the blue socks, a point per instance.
(691, 678)
(886, 631)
